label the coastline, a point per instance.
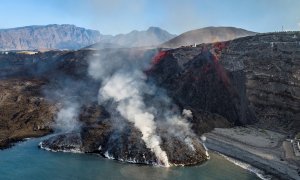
(259, 173)
(245, 146)
(262, 149)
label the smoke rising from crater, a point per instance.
(137, 100)
(125, 90)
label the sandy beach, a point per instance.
(263, 149)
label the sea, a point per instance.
(28, 162)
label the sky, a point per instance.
(176, 16)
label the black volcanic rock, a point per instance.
(270, 64)
(99, 135)
(196, 81)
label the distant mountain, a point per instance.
(207, 35)
(47, 37)
(151, 37)
(71, 37)
(103, 45)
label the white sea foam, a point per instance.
(108, 156)
(74, 150)
(259, 173)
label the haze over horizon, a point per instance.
(120, 16)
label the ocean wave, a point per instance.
(74, 150)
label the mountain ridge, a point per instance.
(52, 36)
(151, 37)
(71, 37)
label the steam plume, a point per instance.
(67, 118)
(123, 81)
(125, 90)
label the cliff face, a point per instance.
(196, 80)
(47, 37)
(271, 66)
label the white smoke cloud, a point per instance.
(125, 90)
(187, 113)
(67, 118)
(124, 82)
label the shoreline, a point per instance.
(259, 173)
(270, 159)
(247, 144)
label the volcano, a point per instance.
(232, 83)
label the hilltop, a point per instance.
(207, 35)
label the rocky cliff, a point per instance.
(270, 64)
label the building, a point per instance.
(27, 52)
